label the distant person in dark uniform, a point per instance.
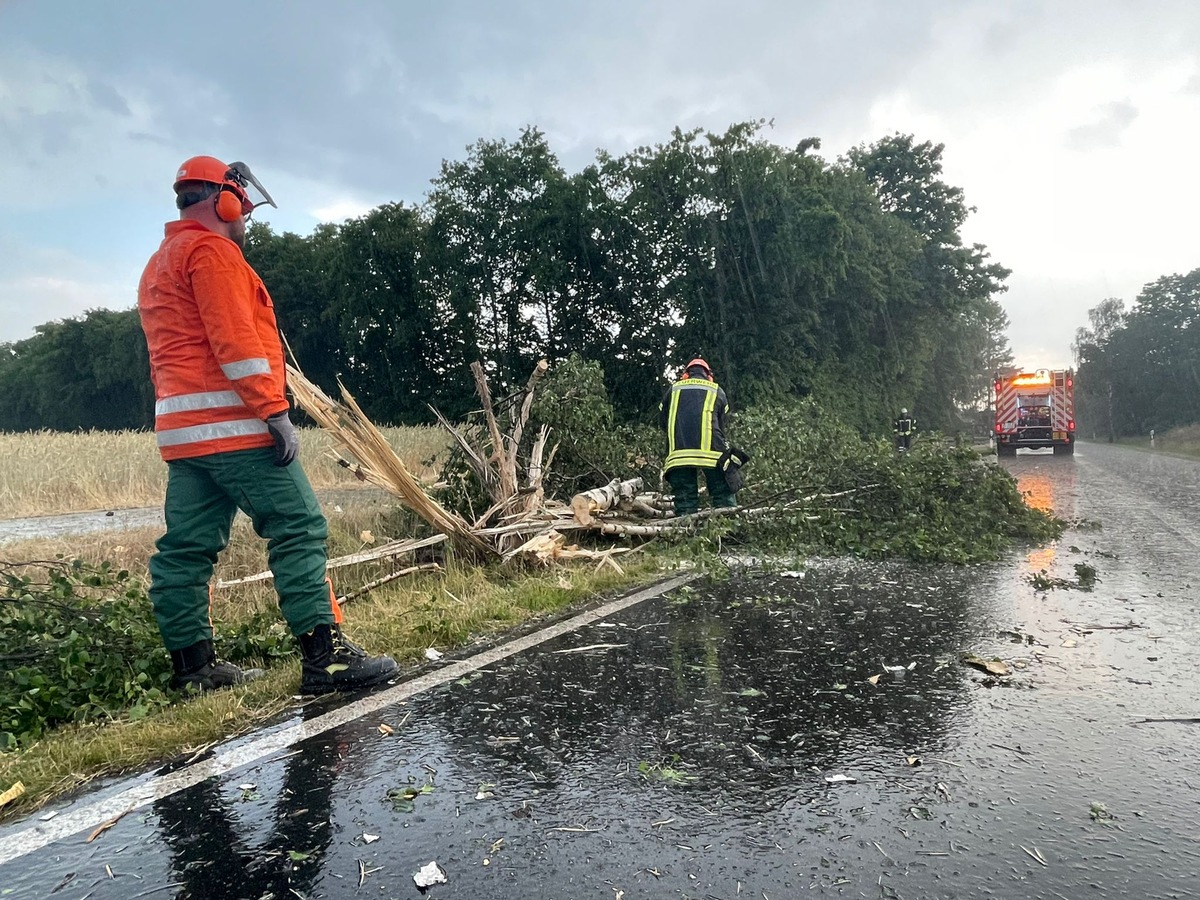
(903, 429)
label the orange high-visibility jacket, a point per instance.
(215, 355)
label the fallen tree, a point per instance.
(939, 503)
(520, 523)
(496, 461)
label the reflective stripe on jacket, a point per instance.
(693, 415)
(215, 355)
(905, 426)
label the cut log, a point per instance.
(649, 510)
(604, 498)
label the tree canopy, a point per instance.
(846, 281)
(1139, 369)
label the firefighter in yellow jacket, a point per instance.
(222, 425)
(693, 416)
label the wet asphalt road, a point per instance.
(726, 742)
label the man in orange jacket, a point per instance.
(221, 419)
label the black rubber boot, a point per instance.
(198, 669)
(333, 663)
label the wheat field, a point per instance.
(48, 472)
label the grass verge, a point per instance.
(1183, 442)
(1162, 447)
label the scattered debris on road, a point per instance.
(993, 666)
(1099, 813)
(429, 875)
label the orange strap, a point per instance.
(333, 603)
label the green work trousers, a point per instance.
(203, 494)
(683, 483)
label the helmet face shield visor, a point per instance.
(240, 179)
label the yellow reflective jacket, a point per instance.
(692, 414)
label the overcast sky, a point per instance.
(1073, 127)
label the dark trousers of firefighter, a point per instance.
(203, 495)
(687, 494)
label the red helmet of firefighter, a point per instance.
(701, 365)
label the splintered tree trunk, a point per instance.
(536, 492)
(505, 467)
(378, 463)
(604, 498)
(499, 471)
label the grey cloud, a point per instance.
(107, 97)
(48, 135)
(375, 94)
(1004, 36)
(1106, 131)
(144, 137)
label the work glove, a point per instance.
(287, 439)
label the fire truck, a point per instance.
(1035, 410)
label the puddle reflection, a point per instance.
(737, 691)
(1048, 482)
(254, 839)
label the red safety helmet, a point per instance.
(211, 170)
(701, 364)
(235, 178)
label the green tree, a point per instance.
(793, 277)
(297, 273)
(494, 238)
(1140, 369)
(401, 351)
(1095, 360)
(943, 334)
(91, 372)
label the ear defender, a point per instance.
(228, 206)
